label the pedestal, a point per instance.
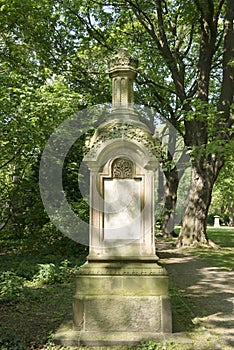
(120, 303)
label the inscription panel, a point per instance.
(122, 209)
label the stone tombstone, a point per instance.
(216, 221)
(121, 292)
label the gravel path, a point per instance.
(210, 293)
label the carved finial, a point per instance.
(122, 60)
(122, 70)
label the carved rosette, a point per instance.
(122, 169)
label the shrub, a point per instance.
(151, 345)
(50, 273)
(46, 274)
(11, 285)
(26, 269)
(8, 341)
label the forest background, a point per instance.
(54, 57)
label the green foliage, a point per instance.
(53, 62)
(24, 266)
(11, 286)
(9, 341)
(26, 270)
(51, 273)
(151, 345)
(39, 110)
(41, 281)
(222, 203)
(47, 274)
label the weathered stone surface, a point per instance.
(122, 314)
(124, 224)
(139, 279)
(122, 208)
(121, 292)
(108, 300)
(125, 267)
(134, 285)
(115, 313)
(122, 130)
(70, 337)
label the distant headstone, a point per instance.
(216, 221)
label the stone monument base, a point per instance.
(119, 303)
(69, 337)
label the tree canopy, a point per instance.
(54, 61)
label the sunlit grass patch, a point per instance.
(221, 257)
(223, 236)
(224, 256)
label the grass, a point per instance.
(36, 290)
(223, 256)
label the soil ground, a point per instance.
(202, 305)
(209, 291)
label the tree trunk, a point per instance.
(193, 230)
(168, 218)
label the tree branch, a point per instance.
(11, 159)
(94, 33)
(219, 8)
(7, 220)
(144, 19)
(190, 42)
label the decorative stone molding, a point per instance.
(117, 130)
(131, 269)
(122, 169)
(122, 70)
(122, 60)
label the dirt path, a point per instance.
(209, 291)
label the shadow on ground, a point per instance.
(204, 293)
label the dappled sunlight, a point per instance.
(213, 280)
(208, 292)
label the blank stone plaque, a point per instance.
(122, 209)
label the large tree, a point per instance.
(186, 54)
(195, 42)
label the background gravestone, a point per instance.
(216, 221)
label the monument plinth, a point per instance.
(121, 292)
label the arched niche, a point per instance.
(122, 201)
